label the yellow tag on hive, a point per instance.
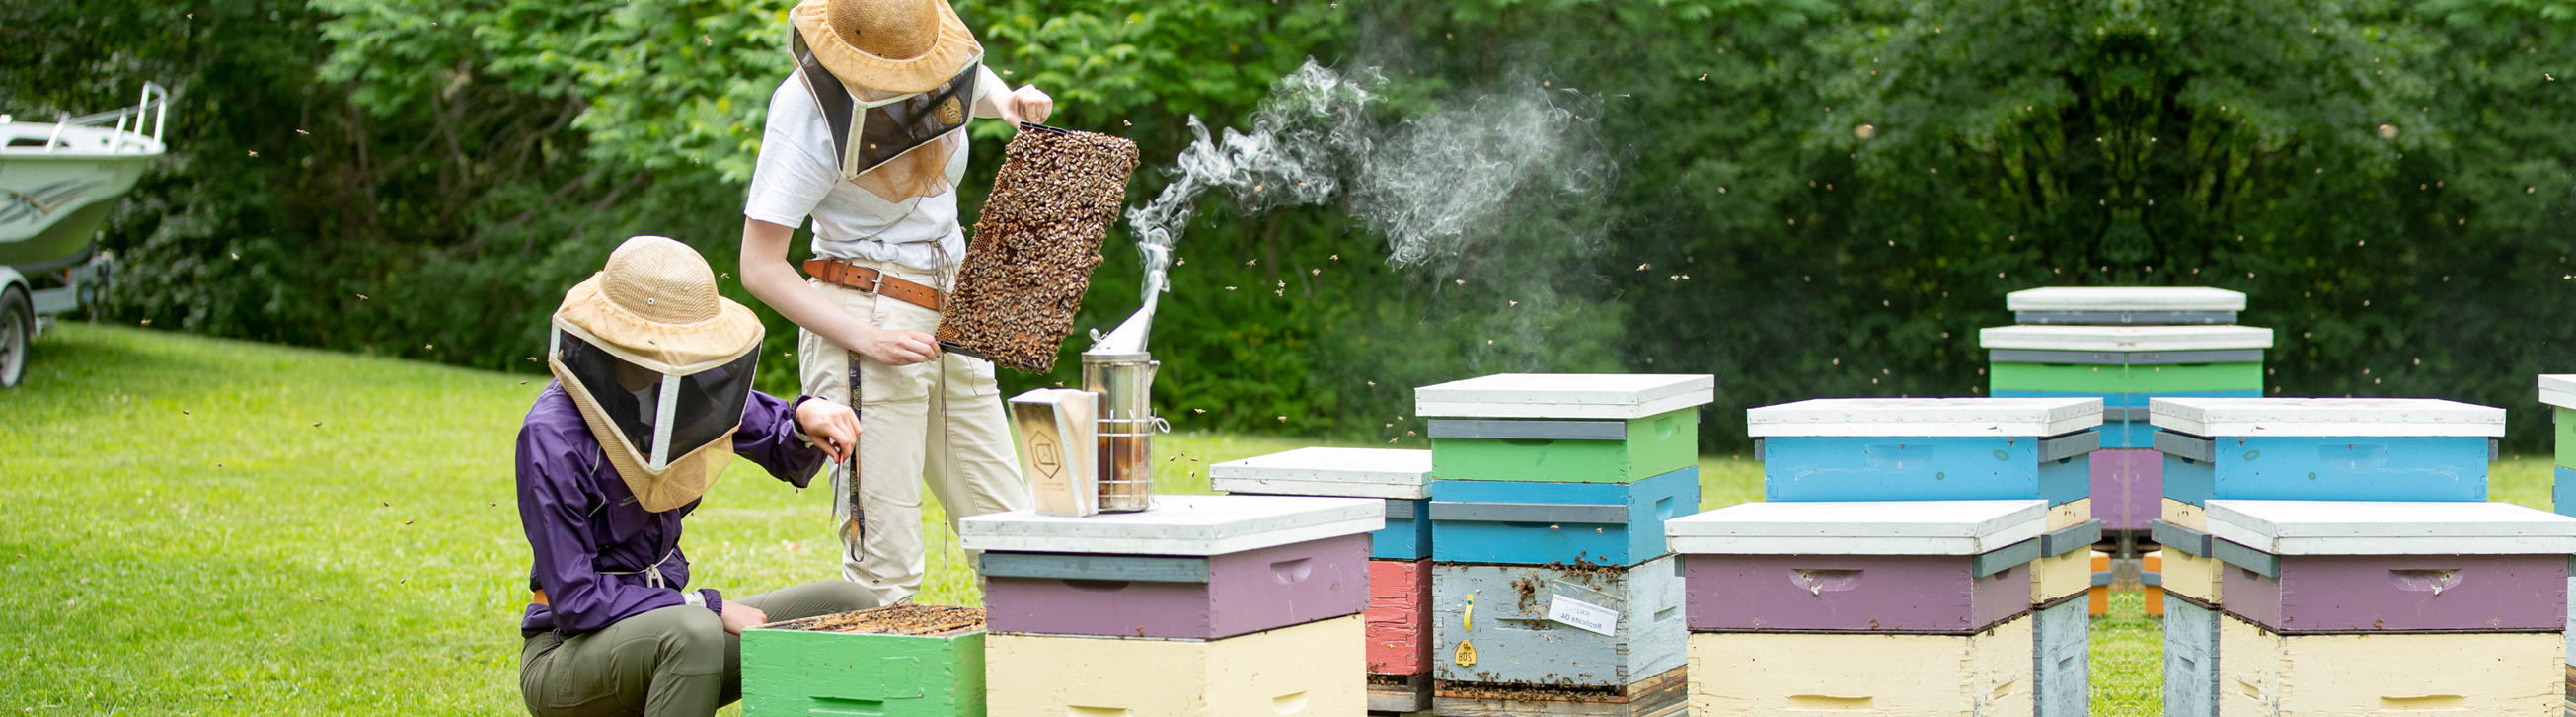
(1468, 621)
(1466, 656)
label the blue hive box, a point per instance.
(1879, 449)
(2124, 415)
(2375, 449)
(1524, 523)
(1398, 476)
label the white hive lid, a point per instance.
(2125, 338)
(1356, 472)
(2558, 390)
(1565, 395)
(1178, 525)
(2323, 417)
(1925, 417)
(2336, 527)
(1914, 527)
(2125, 298)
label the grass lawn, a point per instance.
(181, 536)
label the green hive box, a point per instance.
(2567, 438)
(792, 668)
(2166, 378)
(1654, 445)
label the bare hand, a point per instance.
(1027, 104)
(832, 427)
(738, 616)
(898, 347)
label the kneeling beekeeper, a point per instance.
(867, 137)
(651, 400)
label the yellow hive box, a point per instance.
(1318, 668)
(2186, 515)
(2494, 674)
(2060, 577)
(2193, 576)
(1987, 674)
(2052, 578)
(2070, 513)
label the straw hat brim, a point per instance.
(949, 52)
(664, 347)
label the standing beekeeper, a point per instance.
(867, 138)
(651, 400)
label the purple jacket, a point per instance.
(582, 521)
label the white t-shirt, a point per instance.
(796, 177)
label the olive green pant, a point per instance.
(672, 662)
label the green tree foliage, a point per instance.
(1810, 198)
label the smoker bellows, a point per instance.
(1036, 244)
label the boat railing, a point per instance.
(153, 107)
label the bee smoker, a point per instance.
(1119, 371)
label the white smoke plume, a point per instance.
(1435, 185)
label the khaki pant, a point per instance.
(938, 423)
(672, 662)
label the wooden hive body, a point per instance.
(1926, 449)
(1564, 396)
(2508, 674)
(1400, 477)
(2127, 487)
(1749, 674)
(801, 672)
(1954, 567)
(1399, 617)
(2192, 660)
(1182, 525)
(1175, 596)
(1564, 451)
(1541, 523)
(2061, 659)
(1315, 669)
(1514, 641)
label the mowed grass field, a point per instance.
(194, 525)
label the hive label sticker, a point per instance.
(1583, 615)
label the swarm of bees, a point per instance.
(1035, 245)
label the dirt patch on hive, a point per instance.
(914, 620)
(1530, 692)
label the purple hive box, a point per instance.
(2403, 593)
(1199, 598)
(2310, 566)
(2128, 487)
(1941, 566)
(1866, 593)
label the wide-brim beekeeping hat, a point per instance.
(660, 365)
(892, 46)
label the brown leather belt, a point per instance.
(867, 279)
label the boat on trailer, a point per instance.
(58, 182)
